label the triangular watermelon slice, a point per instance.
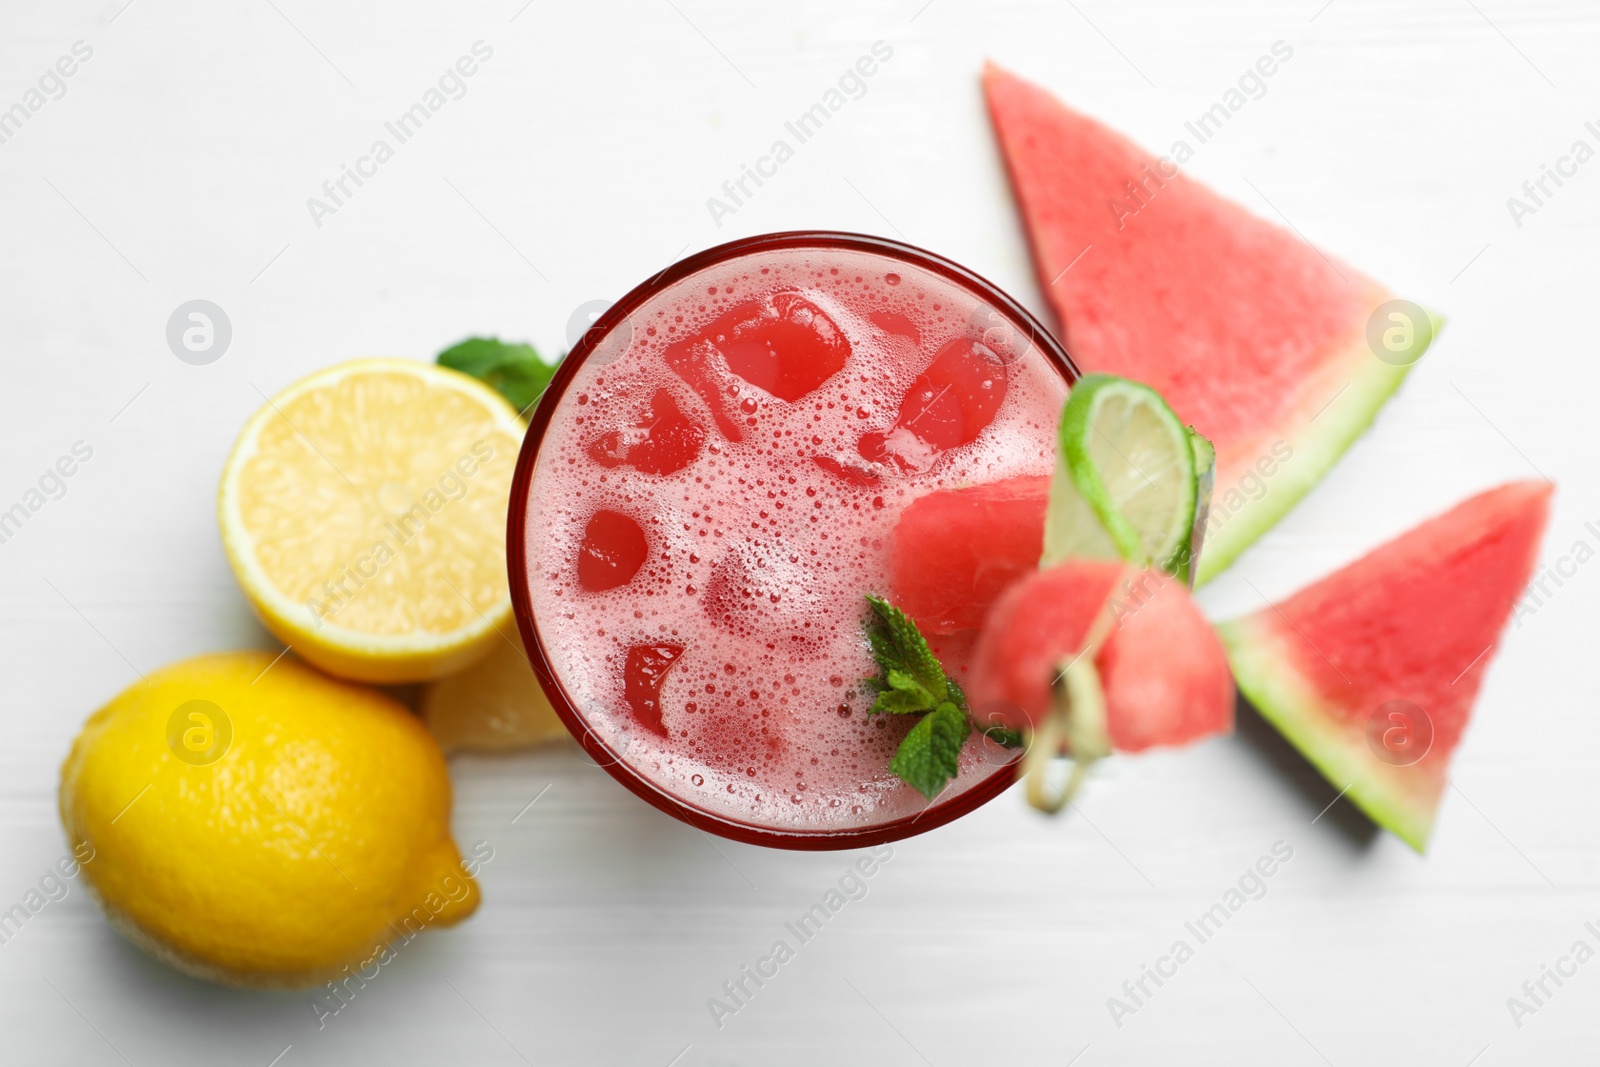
(1252, 335)
(1372, 671)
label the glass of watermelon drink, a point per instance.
(706, 494)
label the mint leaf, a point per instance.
(928, 758)
(1003, 736)
(901, 694)
(515, 371)
(884, 649)
(906, 684)
(899, 646)
(900, 702)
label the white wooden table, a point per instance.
(178, 165)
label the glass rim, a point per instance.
(937, 813)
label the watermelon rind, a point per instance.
(1318, 439)
(1401, 799)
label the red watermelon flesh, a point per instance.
(665, 443)
(1408, 631)
(782, 344)
(1162, 670)
(1253, 336)
(947, 406)
(954, 551)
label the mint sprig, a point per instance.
(515, 371)
(927, 758)
(914, 683)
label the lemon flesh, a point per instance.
(496, 703)
(363, 510)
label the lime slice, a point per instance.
(1205, 477)
(1126, 484)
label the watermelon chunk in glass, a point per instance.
(783, 345)
(954, 551)
(947, 406)
(666, 441)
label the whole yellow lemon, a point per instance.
(258, 823)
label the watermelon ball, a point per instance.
(1162, 671)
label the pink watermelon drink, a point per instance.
(708, 492)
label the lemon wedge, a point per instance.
(496, 703)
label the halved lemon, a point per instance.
(363, 510)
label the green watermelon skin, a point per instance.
(1417, 619)
(1253, 336)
